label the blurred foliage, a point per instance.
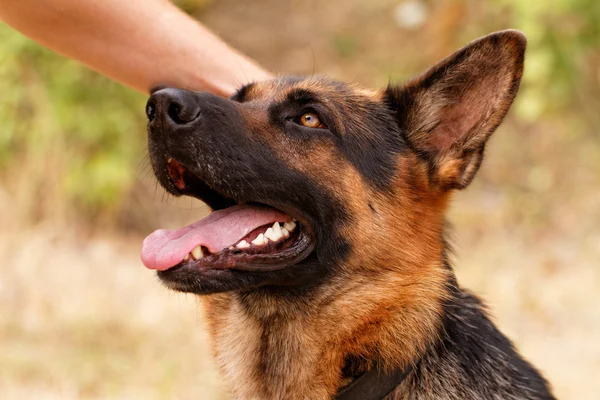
(563, 55)
(74, 136)
(72, 142)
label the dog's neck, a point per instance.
(268, 347)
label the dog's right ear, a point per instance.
(447, 114)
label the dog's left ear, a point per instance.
(448, 113)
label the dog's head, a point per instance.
(311, 178)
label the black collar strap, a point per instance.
(372, 385)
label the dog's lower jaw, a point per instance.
(274, 350)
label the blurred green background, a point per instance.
(81, 318)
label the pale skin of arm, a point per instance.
(140, 43)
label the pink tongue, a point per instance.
(164, 249)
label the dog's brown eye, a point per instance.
(311, 120)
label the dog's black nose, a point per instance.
(177, 106)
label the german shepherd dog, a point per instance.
(324, 261)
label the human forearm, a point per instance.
(141, 43)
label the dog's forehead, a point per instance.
(280, 89)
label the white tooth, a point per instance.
(270, 234)
(277, 231)
(197, 253)
(260, 239)
(290, 226)
(242, 245)
(187, 257)
(285, 232)
(231, 247)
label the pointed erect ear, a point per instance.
(448, 113)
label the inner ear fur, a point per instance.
(448, 113)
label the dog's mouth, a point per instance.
(237, 235)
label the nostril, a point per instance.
(174, 112)
(150, 110)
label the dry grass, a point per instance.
(82, 319)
